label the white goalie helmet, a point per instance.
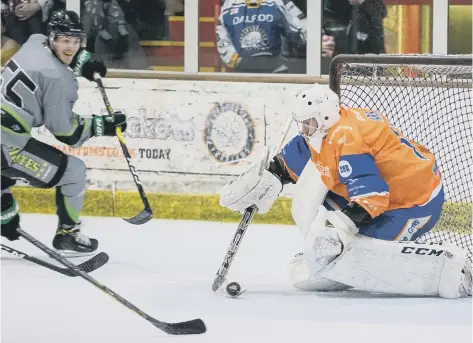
(315, 109)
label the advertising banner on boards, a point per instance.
(203, 131)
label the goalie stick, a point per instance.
(191, 327)
(88, 266)
(145, 215)
(222, 272)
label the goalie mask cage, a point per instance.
(428, 98)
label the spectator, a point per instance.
(9, 46)
(256, 36)
(110, 37)
(23, 18)
(369, 15)
(354, 26)
(148, 18)
(328, 42)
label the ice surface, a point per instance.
(166, 268)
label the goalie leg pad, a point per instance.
(302, 278)
(329, 233)
(321, 248)
(406, 268)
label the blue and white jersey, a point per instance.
(247, 29)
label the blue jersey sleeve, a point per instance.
(361, 176)
(296, 154)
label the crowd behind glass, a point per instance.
(256, 36)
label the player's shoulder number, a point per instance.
(19, 76)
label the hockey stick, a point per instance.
(222, 272)
(195, 326)
(145, 215)
(88, 266)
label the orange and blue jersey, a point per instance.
(364, 160)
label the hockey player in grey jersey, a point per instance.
(39, 87)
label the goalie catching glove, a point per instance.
(250, 188)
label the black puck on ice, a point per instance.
(233, 289)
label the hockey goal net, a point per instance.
(428, 98)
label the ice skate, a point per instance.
(69, 241)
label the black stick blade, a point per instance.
(141, 218)
(94, 263)
(191, 327)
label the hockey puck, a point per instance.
(233, 289)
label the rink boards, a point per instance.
(187, 139)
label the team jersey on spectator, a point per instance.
(363, 159)
(245, 30)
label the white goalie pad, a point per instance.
(329, 233)
(309, 194)
(302, 278)
(406, 268)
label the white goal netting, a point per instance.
(429, 98)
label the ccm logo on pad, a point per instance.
(421, 251)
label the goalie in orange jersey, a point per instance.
(360, 185)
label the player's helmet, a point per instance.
(315, 109)
(66, 23)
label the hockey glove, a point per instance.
(84, 64)
(106, 125)
(10, 217)
(278, 168)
